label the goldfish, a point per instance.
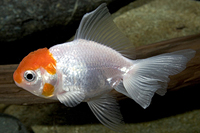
(96, 62)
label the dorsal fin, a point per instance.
(98, 26)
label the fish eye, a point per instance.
(29, 75)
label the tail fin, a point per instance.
(150, 75)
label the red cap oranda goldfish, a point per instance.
(94, 63)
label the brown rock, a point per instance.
(159, 20)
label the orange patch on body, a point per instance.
(33, 61)
(48, 90)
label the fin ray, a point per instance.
(71, 99)
(98, 26)
(151, 75)
(107, 111)
(120, 88)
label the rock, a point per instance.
(27, 25)
(22, 18)
(153, 21)
(10, 124)
(172, 113)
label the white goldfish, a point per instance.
(93, 64)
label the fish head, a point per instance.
(36, 73)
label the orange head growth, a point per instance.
(33, 61)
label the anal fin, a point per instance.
(121, 89)
(107, 111)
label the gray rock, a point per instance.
(24, 17)
(10, 124)
(27, 25)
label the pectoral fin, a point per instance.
(107, 111)
(71, 99)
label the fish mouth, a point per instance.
(34, 92)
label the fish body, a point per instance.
(96, 62)
(89, 67)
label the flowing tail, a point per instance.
(150, 75)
